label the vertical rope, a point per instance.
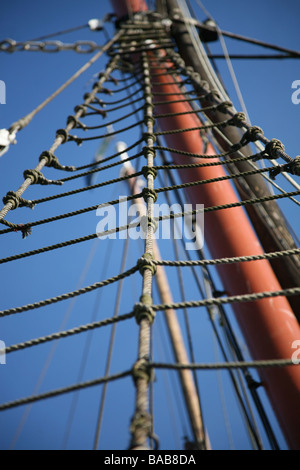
(141, 422)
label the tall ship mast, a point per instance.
(171, 244)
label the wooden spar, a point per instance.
(269, 325)
(179, 350)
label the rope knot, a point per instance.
(146, 262)
(149, 170)
(251, 135)
(100, 102)
(293, 168)
(149, 135)
(146, 222)
(148, 105)
(141, 424)
(143, 310)
(272, 147)
(102, 112)
(16, 201)
(180, 62)
(196, 77)
(24, 229)
(76, 139)
(223, 107)
(63, 134)
(80, 109)
(87, 96)
(142, 370)
(12, 198)
(148, 192)
(204, 85)
(148, 119)
(147, 150)
(75, 122)
(52, 161)
(38, 178)
(101, 89)
(189, 69)
(212, 95)
(96, 87)
(238, 120)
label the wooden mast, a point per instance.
(267, 218)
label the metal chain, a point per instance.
(83, 47)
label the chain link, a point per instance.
(82, 47)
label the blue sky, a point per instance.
(30, 77)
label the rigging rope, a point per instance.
(101, 380)
(23, 122)
(144, 310)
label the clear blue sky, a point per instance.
(30, 77)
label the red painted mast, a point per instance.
(269, 325)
